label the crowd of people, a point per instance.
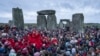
(59, 42)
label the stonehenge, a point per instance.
(48, 22)
(46, 19)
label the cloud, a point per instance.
(6, 15)
(64, 9)
(30, 16)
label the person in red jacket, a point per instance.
(54, 40)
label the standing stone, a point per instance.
(18, 18)
(51, 22)
(41, 22)
(68, 23)
(11, 24)
(61, 25)
(77, 22)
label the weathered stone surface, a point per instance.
(11, 24)
(51, 22)
(77, 22)
(41, 21)
(62, 25)
(46, 12)
(18, 18)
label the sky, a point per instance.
(64, 9)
